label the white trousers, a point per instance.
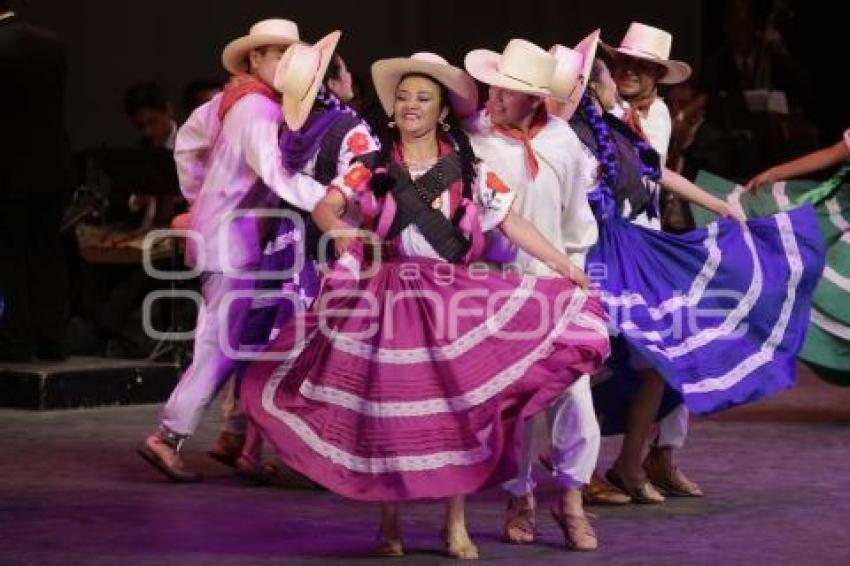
(673, 429)
(220, 323)
(575, 439)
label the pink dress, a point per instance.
(409, 377)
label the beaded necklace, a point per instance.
(422, 168)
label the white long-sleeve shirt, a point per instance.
(219, 164)
(657, 124)
(555, 201)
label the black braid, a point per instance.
(382, 182)
(468, 160)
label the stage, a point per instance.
(82, 381)
(73, 491)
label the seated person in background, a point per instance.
(695, 143)
(152, 114)
(111, 286)
(759, 92)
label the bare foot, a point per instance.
(389, 533)
(389, 547)
(458, 544)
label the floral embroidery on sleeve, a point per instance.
(496, 184)
(358, 143)
(357, 177)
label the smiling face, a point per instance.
(418, 106)
(635, 78)
(511, 108)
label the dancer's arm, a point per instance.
(524, 234)
(328, 216)
(256, 120)
(679, 185)
(192, 147)
(815, 161)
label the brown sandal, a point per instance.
(253, 471)
(520, 523)
(670, 481)
(600, 492)
(578, 532)
(163, 454)
(645, 493)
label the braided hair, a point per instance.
(602, 198)
(605, 153)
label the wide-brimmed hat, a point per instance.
(299, 75)
(652, 44)
(266, 32)
(386, 74)
(567, 73)
(522, 67)
(585, 51)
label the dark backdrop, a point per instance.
(113, 43)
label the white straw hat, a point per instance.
(266, 32)
(386, 74)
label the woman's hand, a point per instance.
(762, 178)
(574, 273)
(342, 243)
(725, 210)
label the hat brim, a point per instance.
(587, 47)
(677, 71)
(233, 57)
(483, 64)
(386, 74)
(295, 111)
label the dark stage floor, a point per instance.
(72, 491)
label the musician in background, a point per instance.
(36, 181)
(148, 108)
(757, 89)
(109, 293)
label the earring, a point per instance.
(445, 126)
(391, 124)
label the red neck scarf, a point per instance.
(635, 112)
(538, 122)
(242, 85)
